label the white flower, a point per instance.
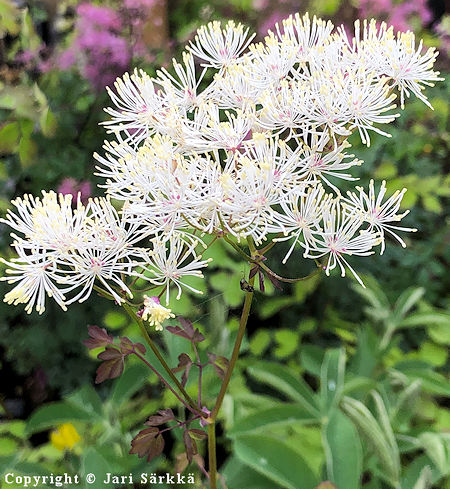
(169, 262)
(141, 110)
(218, 46)
(183, 90)
(301, 217)
(306, 35)
(36, 277)
(50, 222)
(155, 313)
(376, 213)
(342, 235)
(246, 156)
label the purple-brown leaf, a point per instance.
(163, 416)
(110, 353)
(147, 443)
(111, 367)
(126, 346)
(98, 338)
(253, 271)
(186, 331)
(219, 363)
(140, 348)
(197, 434)
(184, 365)
(191, 446)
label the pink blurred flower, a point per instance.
(98, 50)
(269, 22)
(399, 15)
(99, 16)
(70, 186)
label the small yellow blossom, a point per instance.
(65, 437)
(155, 313)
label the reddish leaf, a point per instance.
(140, 348)
(126, 346)
(110, 353)
(186, 325)
(198, 434)
(274, 281)
(253, 271)
(184, 365)
(186, 331)
(219, 363)
(191, 446)
(112, 365)
(98, 338)
(181, 463)
(176, 330)
(109, 369)
(163, 416)
(147, 443)
(262, 288)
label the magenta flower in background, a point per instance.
(99, 16)
(98, 50)
(70, 186)
(270, 21)
(399, 15)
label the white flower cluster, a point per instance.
(249, 156)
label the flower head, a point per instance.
(155, 313)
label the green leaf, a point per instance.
(343, 451)
(431, 203)
(8, 18)
(27, 151)
(332, 375)
(274, 416)
(129, 383)
(287, 342)
(54, 414)
(438, 449)
(358, 384)
(93, 463)
(87, 399)
(425, 480)
(284, 380)
(9, 138)
(407, 300)
(311, 358)
(15, 428)
(373, 433)
(432, 382)
(238, 475)
(276, 460)
(419, 319)
(115, 320)
(48, 122)
(386, 426)
(259, 342)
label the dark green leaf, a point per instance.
(275, 460)
(343, 452)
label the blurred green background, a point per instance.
(382, 352)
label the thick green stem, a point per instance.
(212, 456)
(234, 356)
(155, 350)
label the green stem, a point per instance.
(212, 467)
(155, 350)
(289, 280)
(238, 249)
(234, 356)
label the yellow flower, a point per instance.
(65, 437)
